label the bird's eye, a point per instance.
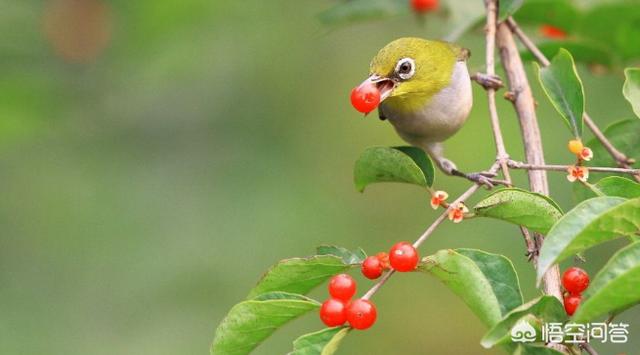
(405, 68)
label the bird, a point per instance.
(426, 95)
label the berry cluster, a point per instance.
(579, 172)
(575, 281)
(402, 257)
(339, 308)
(361, 313)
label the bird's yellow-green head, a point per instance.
(409, 71)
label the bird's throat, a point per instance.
(409, 103)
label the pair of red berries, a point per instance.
(339, 309)
(402, 257)
(575, 280)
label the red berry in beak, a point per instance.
(365, 98)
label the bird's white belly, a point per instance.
(441, 117)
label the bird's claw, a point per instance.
(485, 178)
(488, 81)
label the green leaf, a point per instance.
(584, 51)
(348, 257)
(323, 342)
(534, 211)
(631, 88)
(278, 295)
(399, 164)
(299, 275)
(352, 11)
(545, 308)
(422, 160)
(486, 282)
(614, 288)
(250, 322)
(508, 8)
(590, 223)
(561, 83)
(618, 186)
(625, 136)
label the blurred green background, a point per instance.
(156, 157)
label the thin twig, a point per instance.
(595, 169)
(490, 30)
(544, 61)
(372, 291)
(501, 151)
(465, 195)
(621, 159)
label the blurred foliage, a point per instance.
(603, 32)
(147, 185)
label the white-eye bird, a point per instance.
(425, 92)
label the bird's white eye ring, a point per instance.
(405, 68)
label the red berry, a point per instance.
(384, 259)
(361, 314)
(342, 287)
(552, 32)
(372, 267)
(424, 5)
(571, 303)
(403, 257)
(333, 312)
(365, 98)
(575, 280)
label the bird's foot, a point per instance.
(488, 81)
(482, 178)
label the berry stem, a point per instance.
(372, 291)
